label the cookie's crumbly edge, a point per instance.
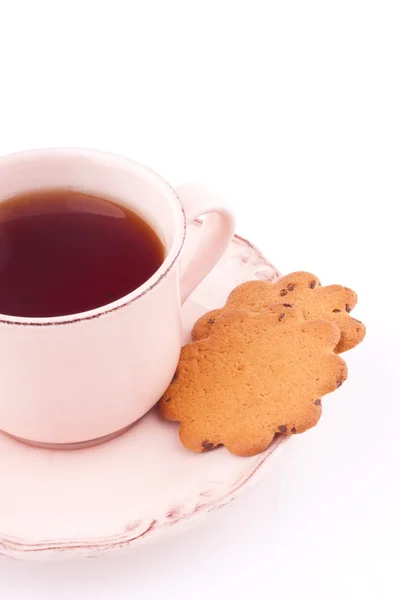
(353, 331)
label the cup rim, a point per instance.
(162, 272)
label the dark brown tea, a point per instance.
(64, 252)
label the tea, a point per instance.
(64, 252)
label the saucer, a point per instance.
(139, 487)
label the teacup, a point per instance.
(85, 377)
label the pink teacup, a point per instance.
(81, 378)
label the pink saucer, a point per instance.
(138, 488)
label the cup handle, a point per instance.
(215, 236)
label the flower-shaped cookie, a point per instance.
(256, 375)
(303, 290)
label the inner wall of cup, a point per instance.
(117, 179)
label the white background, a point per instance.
(291, 109)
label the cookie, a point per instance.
(303, 290)
(255, 375)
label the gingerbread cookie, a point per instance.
(255, 375)
(303, 290)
